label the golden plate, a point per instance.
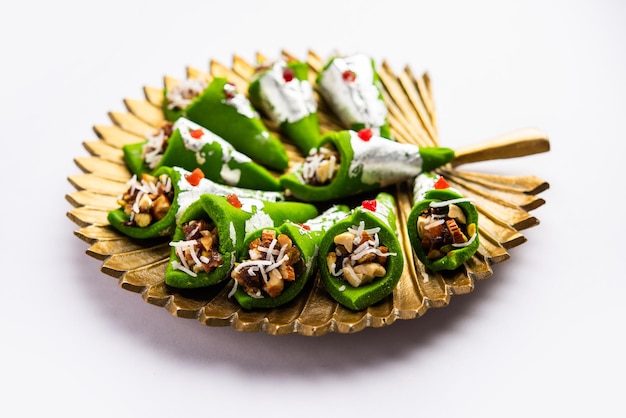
(504, 204)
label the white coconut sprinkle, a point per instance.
(181, 96)
(449, 202)
(178, 266)
(466, 243)
(233, 290)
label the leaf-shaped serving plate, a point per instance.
(504, 204)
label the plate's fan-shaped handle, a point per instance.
(518, 143)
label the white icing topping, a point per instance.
(232, 232)
(423, 183)
(371, 160)
(354, 101)
(285, 101)
(382, 212)
(230, 176)
(187, 194)
(248, 204)
(181, 95)
(229, 153)
(324, 220)
(259, 220)
(155, 147)
(239, 101)
(449, 202)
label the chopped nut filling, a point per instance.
(320, 166)
(147, 200)
(181, 96)
(199, 250)
(359, 258)
(442, 229)
(273, 261)
(154, 148)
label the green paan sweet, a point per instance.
(275, 264)
(360, 257)
(349, 163)
(352, 88)
(230, 115)
(153, 202)
(283, 92)
(211, 230)
(188, 145)
(443, 225)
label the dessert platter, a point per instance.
(298, 195)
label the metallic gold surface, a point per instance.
(504, 204)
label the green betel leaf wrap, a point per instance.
(233, 220)
(133, 157)
(450, 257)
(181, 96)
(363, 165)
(306, 238)
(283, 92)
(182, 195)
(377, 217)
(121, 219)
(230, 115)
(192, 146)
(351, 87)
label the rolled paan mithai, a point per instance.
(188, 145)
(221, 109)
(352, 88)
(348, 163)
(360, 257)
(152, 203)
(442, 225)
(275, 264)
(211, 231)
(282, 91)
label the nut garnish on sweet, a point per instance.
(147, 200)
(273, 261)
(359, 258)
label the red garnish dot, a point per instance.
(196, 133)
(348, 76)
(230, 90)
(288, 74)
(194, 177)
(365, 134)
(304, 226)
(441, 183)
(369, 205)
(234, 200)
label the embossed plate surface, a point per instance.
(504, 203)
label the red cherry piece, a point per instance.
(234, 200)
(288, 74)
(230, 90)
(194, 177)
(196, 133)
(441, 183)
(349, 76)
(369, 205)
(365, 134)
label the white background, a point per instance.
(544, 336)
